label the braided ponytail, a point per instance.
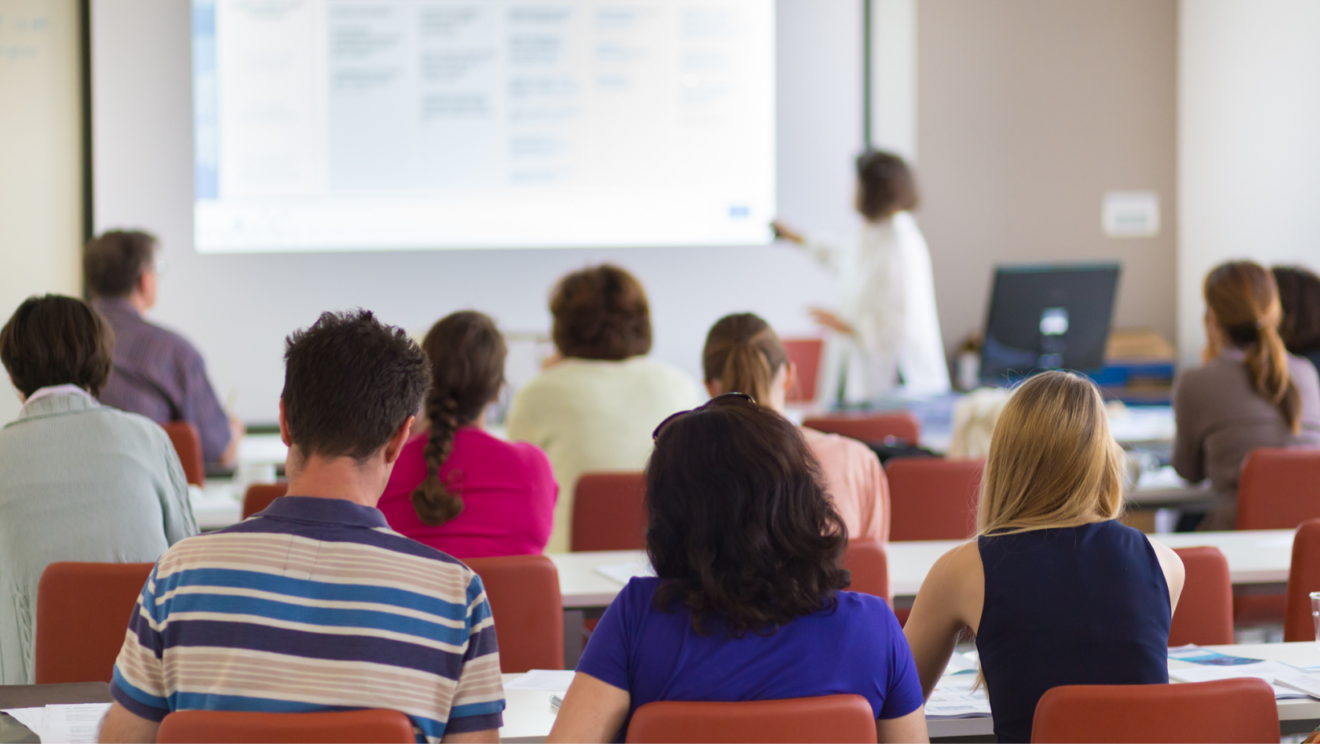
(467, 369)
(744, 354)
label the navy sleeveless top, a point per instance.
(1073, 606)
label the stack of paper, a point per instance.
(955, 697)
(74, 724)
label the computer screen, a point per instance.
(1048, 316)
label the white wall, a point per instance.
(238, 309)
(40, 165)
(1249, 142)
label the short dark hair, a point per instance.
(1299, 293)
(57, 340)
(350, 382)
(601, 313)
(114, 261)
(740, 525)
(886, 185)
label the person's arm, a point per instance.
(1174, 572)
(138, 682)
(908, 728)
(949, 600)
(122, 727)
(477, 706)
(202, 408)
(593, 711)
(1188, 454)
(175, 506)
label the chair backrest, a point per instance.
(871, 428)
(835, 718)
(240, 727)
(805, 353)
(1229, 710)
(523, 591)
(1205, 607)
(609, 512)
(188, 444)
(83, 611)
(260, 495)
(869, 566)
(1303, 578)
(1279, 489)
(931, 498)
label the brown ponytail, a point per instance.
(744, 354)
(467, 369)
(1245, 301)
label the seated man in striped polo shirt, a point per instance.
(315, 603)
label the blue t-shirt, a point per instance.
(655, 655)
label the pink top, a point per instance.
(855, 481)
(508, 496)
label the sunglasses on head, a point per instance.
(719, 400)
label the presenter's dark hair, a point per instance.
(114, 261)
(885, 185)
(601, 313)
(467, 354)
(1299, 293)
(350, 382)
(741, 530)
(57, 340)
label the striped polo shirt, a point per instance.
(313, 604)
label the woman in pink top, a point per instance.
(457, 488)
(744, 355)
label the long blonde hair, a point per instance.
(1052, 461)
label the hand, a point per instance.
(829, 320)
(229, 457)
(784, 232)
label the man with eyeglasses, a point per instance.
(157, 373)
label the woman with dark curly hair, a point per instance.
(1299, 293)
(455, 487)
(748, 601)
(594, 407)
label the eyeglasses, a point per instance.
(719, 400)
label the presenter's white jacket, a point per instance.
(889, 300)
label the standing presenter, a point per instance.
(887, 310)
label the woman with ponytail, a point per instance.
(743, 355)
(1248, 393)
(455, 487)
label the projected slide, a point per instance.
(325, 125)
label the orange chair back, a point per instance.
(869, 428)
(609, 512)
(83, 611)
(1230, 710)
(1205, 607)
(1279, 489)
(835, 718)
(1303, 578)
(869, 566)
(932, 498)
(260, 495)
(523, 591)
(188, 444)
(236, 727)
(805, 354)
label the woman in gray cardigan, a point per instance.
(78, 482)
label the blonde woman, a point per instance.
(1057, 591)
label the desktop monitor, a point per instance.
(1048, 316)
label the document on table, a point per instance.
(1266, 670)
(625, 572)
(74, 724)
(548, 680)
(958, 697)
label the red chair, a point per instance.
(523, 591)
(933, 498)
(1303, 578)
(870, 568)
(870, 428)
(1279, 489)
(83, 611)
(835, 718)
(234, 727)
(609, 512)
(1205, 607)
(805, 354)
(188, 444)
(260, 495)
(1230, 710)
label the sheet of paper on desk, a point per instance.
(625, 572)
(1266, 670)
(33, 718)
(549, 680)
(1198, 655)
(73, 724)
(1301, 682)
(957, 701)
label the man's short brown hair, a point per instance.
(57, 340)
(601, 313)
(885, 185)
(113, 262)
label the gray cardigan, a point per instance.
(79, 482)
(1221, 418)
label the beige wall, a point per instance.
(40, 156)
(1029, 110)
